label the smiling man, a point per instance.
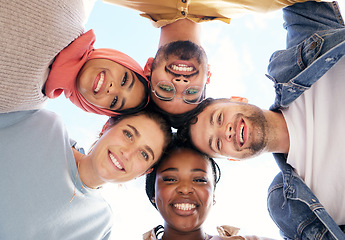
(179, 72)
(304, 128)
(238, 130)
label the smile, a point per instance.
(181, 68)
(100, 77)
(114, 160)
(241, 133)
(184, 206)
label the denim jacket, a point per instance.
(315, 42)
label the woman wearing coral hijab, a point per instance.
(45, 51)
(50, 190)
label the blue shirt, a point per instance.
(38, 175)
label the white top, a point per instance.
(316, 127)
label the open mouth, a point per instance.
(115, 161)
(98, 82)
(241, 133)
(184, 206)
(182, 68)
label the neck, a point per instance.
(180, 30)
(278, 139)
(173, 234)
(85, 170)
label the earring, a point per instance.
(153, 200)
(214, 201)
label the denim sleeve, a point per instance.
(304, 19)
(313, 28)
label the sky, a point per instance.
(238, 55)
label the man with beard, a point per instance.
(179, 72)
(304, 128)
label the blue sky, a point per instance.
(238, 54)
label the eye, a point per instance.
(191, 91)
(200, 180)
(144, 155)
(113, 103)
(124, 79)
(169, 179)
(220, 119)
(219, 144)
(128, 134)
(166, 88)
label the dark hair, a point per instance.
(176, 120)
(183, 132)
(143, 103)
(175, 145)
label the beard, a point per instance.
(184, 50)
(258, 133)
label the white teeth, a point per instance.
(241, 133)
(100, 82)
(182, 68)
(184, 206)
(113, 159)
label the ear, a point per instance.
(209, 74)
(148, 67)
(239, 99)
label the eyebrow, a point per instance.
(176, 170)
(184, 75)
(211, 137)
(137, 133)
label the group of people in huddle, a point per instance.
(51, 186)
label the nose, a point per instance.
(180, 80)
(111, 89)
(228, 132)
(184, 188)
(126, 152)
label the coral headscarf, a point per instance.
(66, 66)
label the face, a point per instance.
(127, 150)
(184, 65)
(230, 129)
(184, 190)
(109, 85)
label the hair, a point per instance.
(175, 120)
(143, 103)
(156, 117)
(175, 145)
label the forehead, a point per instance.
(185, 160)
(149, 131)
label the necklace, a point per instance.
(75, 183)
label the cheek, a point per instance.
(206, 195)
(163, 194)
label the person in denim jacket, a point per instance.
(304, 129)
(292, 204)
